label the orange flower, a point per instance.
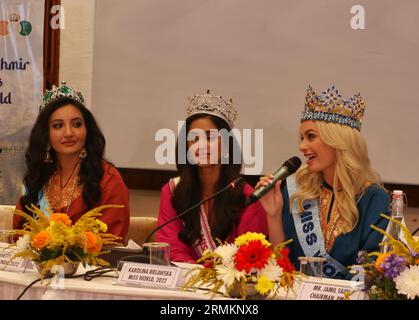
(61, 217)
(93, 244)
(42, 239)
(380, 260)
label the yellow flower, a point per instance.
(347, 295)
(61, 217)
(42, 239)
(57, 231)
(380, 260)
(102, 226)
(251, 236)
(264, 285)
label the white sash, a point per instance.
(309, 232)
(206, 241)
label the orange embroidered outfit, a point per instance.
(68, 199)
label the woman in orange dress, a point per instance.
(66, 170)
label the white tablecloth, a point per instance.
(12, 285)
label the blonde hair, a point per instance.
(352, 170)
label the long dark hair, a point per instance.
(38, 172)
(227, 207)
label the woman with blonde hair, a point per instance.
(329, 204)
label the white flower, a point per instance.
(22, 244)
(226, 252)
(407, 282)
(228, 273)
(272, 271)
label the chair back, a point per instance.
(140, 228)
(6, 221)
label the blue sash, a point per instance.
(43, 201)
(309, 232)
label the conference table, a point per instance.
(12, 284)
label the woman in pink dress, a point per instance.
(206, 164)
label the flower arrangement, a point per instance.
(250, 260)
(57, 240)
(395, 274)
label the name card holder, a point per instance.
(149, 275)
(327, 291)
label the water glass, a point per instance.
(159, 252)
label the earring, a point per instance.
(83, 153)
(48, 158)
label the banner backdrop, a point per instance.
(21, 84)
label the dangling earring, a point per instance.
(48, 158)
(83, 153)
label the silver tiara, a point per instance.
(212, 105)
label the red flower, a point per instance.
(252, 255)
(209, 264)
(284, 262)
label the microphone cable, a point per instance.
(232, 184)
(87, 276)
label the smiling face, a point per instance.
(321, 157)
(205, 146)
(67, 130)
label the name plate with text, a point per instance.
(149, 275)
(323, 291)
(15, 265)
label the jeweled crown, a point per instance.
(14, 17)
(63, 91)
(330, 106)
(213, 105)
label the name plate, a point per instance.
(15, 265)
(149, 275)
(322, 291)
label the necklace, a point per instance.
(70, 199)
(68, 180)
(61, 197)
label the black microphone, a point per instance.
(144, 258)
(288, 168)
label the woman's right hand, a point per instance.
(271, 202)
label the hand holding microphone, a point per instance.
(272, 201)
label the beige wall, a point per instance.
(152, 43)
(76, 45)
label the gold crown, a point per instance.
(213, 105)
(63, 91)
(330, 106)
(14, 17)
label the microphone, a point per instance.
(144, 258)
(288, 168)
